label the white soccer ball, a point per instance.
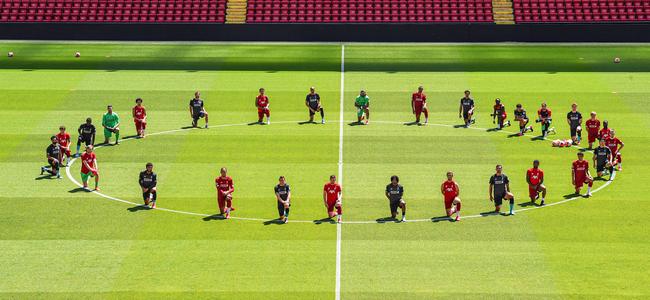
(617, 60)
(10, 54)
(579, 128)
(77, 54)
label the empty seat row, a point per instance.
(540, 11)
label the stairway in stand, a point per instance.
(502, 12)
(236, 12)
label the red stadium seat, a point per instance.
(584, 11)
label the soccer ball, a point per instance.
(77, 54)
(10, 54)
(617, 60)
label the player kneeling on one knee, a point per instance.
(500, 190)
(53, 154)
(362, 103)
(148, 180)
(535, 179)
(197, 111)
(394, 193)
(580, 174)
(111, 124)
(522, 118)
(603, 160)
(225, 188)
(451, 191)
(283, 196)
(332, 198)
(89, 168)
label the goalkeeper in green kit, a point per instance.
(362, 103)
(111, 124)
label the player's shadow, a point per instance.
(528, 204)
(489, 213)
(256, 123)
(274, 222)
(513, 135)
(188, 127)
(493, 129)
(215, 217)
(537, 138)
(442, 218)
(324, 220)
(46, 176)
(572, 195)
(387, 220)
(460, 126)
(129, 137)
(307, 122)
(414, 123)
(138, 208)
(77, 190)
(356, 124)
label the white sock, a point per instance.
(588, 190)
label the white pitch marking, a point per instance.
(340, 176)
(69, 175)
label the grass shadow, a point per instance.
(215, 217)
(324, 220)
(138, 208)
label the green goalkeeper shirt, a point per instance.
(362, 101)
(110, 120)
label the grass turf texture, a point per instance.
(59, 242)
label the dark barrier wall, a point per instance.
(639, 32)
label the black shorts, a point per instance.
(465, 114)
(281, 208)
(574, 130)
(54, 164)
(86, 139)
(315, 109)
(198, 116)
(394, 205)
(498, 198)
(600, 167)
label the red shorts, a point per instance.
(261, 112)
(618, 159)
(331, 205)
(223, 202)
(592, 136)
(449, 200)
(66, 152)
(140, 125)
(580, 181)
(532, 192)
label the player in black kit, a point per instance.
(500, 189)
(603, 159)
(312, 101)
(574, 119)
(197, 110)
(148, 180)
(53, 154)
(86, 135)
(466, 109)
(522, 118)
(283, 196)
(394, 193)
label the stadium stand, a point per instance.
(368, 11)
(146, 11)
(581, 11)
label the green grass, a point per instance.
(57, 242)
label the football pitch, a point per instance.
(59, 241)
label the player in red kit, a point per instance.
(139, 117)
(450, 191)
(262, 104)
(499, 113)
(225, 188)
(332, 198)
(63, 138)
(605, 132)
(593, 129)
(89, 168)
(580, 174)
(613, 144)
(419, 105)
(535, 179)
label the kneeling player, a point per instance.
(466, 109)
(332, 198)
(197, 111)
(148, 180)
(500, 114)
(111, 124)
(362, 103)
(580, 174)
(535, 179)
(283, 196)
(312, 101)
(613, 144)
(603, 160)
(53, 154)
(574, 119)
(139, 113)
(225, 188)
(544, 116)
(64, 143)
(450, 191)
(500, 189)
(522, 118)
(419, 105)
(86, 134)
(262, 104)
(89, 168)
(394, 193)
